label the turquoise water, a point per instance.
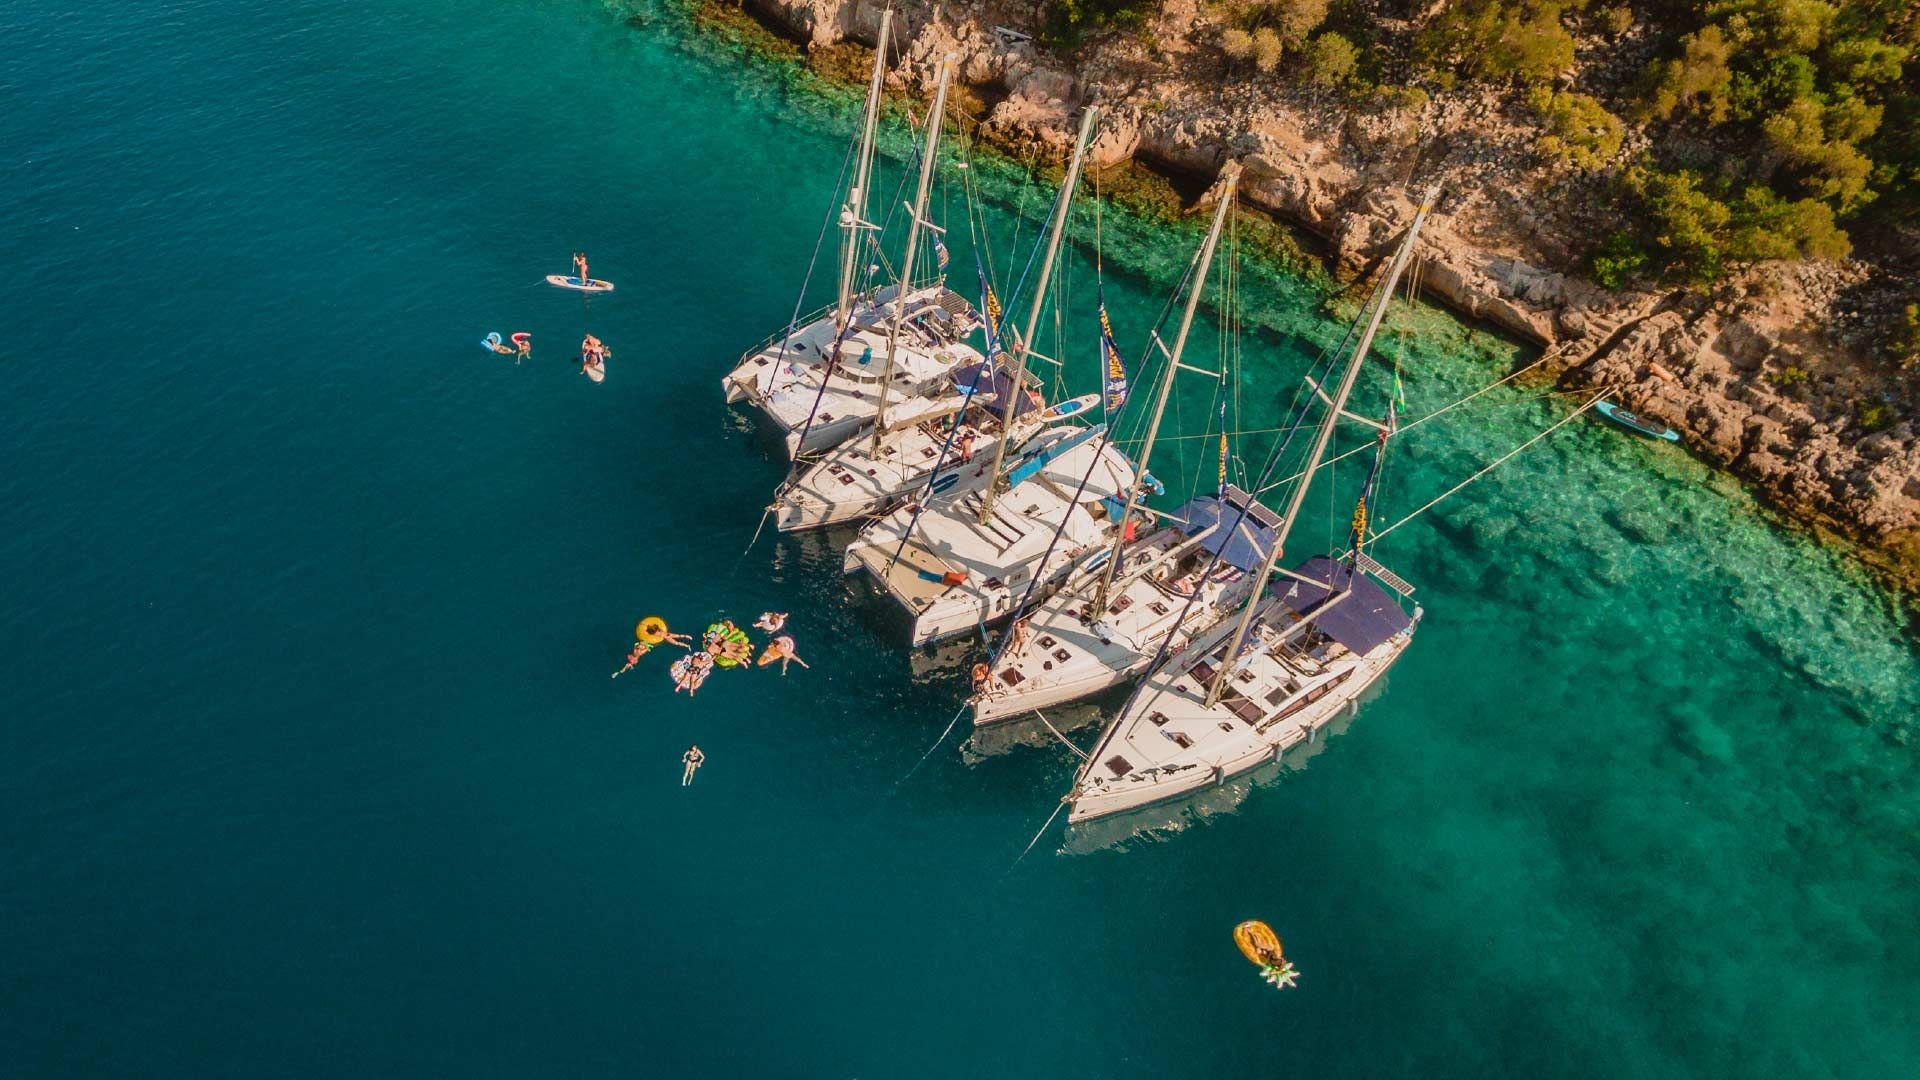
(311, 765)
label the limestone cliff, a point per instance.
(1756, 375)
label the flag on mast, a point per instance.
(940, 255)
(1223, 445)
(991, 304)
(1116, 368)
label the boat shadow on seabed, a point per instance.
(1150, 824)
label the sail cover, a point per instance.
(995, 385)
(1360, 622)
(1244, 547)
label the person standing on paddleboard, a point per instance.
(580, 267)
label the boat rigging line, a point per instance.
(1503, 459)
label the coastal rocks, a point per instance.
(815, 22)
(1754, 377)
(1466, 282)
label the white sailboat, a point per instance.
(1104, 627)
(964, 558)
(942, 451)
(1302, 650)
(831, 378)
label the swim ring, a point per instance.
(651, 631)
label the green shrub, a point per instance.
(1873, 416)
(1267, 49)
(1617, 262)
(1330, 60)
(1579, 131)
(1698, 81)
(1068, 22)
(1497, 40)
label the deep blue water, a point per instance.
(309, 764)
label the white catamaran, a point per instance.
(1103, 627)
(1302, 650)
(831, 378)
(962, 558)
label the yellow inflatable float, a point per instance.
(1259, 944)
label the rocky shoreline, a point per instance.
(1762, 376)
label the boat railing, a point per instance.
(785, 331)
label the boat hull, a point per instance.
(1121, 796)
(1006, 705)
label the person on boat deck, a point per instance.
(580, 266)
(966, 445)
(693, 758)
(1017, 637)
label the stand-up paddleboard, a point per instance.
(598, 372)
(1636, 422)
(574, 283)
(1070, 407)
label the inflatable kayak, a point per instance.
(1637, 423)
(574, 283)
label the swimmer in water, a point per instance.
(692, 758)
(640, 649)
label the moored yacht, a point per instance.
(941, 451)
(1150, 592)
(1174, 583)
(1299, 653)
(963, 560)
(1320, 637)
(784, 377)
(822, 380)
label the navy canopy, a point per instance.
(1360, 622)
(1245, 546)
(995, 386)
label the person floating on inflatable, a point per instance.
(771, 621)
(522, 346)
(1261, 945)
(493, 344)
(692, 759)
(730, 645)
(652, 631)
(781, 649)
(593, 356)
(690, 671)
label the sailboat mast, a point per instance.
(927, 156)
(1230, 177)
(1325, 436)
(853, 214)
(1067, 185)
